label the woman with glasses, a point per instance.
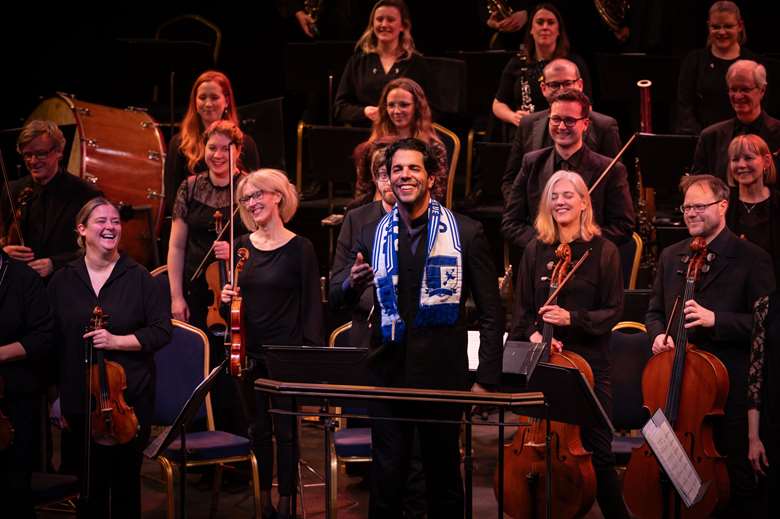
(519, 91)
(754, 206)
(404, 113)
(281, 306)
(702, 94)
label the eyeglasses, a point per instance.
(741, 90)
(697, 208)
(555, 85)
(253, 197)
(39, 155)
(569, 122)
(722, 26)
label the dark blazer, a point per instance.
(712, 150)
(48, 220)
(602, 137)
(740, 273)
(774, 223)
(612, 204)
(434, 357)
(354, 221)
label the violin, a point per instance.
(216, 278)
(691, 385)
(6, 427)
(236, 344)
(574, 479)
(14, 231)
(113, 421)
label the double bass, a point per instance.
(574, 479)
(691, 386)
(113, 422)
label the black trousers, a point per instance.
(264, 428)
(392, 443)
(19, 459)
(115, 472)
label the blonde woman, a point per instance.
(585, 311)
(281, 304)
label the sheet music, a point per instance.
(670, 453)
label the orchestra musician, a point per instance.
(55, 196)
(702, 94)
(754, 207)
(763, 412)
(611, 201)
(384, 52)
(26, 330)
(586, 310)
(418, 340)
(281, 306)
(719, 317)
(601, 136)
(138, 325)
(404, 113)
(747, 86)
(211, 100)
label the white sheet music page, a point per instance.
(670, 453)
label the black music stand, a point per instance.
(179, 428)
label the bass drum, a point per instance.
(121, 151)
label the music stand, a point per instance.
(179, 428)
(663, 160)
(635, 303)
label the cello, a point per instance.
(113, 422)
(574, 479)
(691, 386)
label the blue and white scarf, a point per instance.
(442, 277)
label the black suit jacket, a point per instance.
(712, 150)
(602, 137)
(48, 220)
(612, 204)
(354, 221)
(740, 273)
(434, 357)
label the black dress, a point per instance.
(133, 302)
(594, 298)
(364, 78)
(758, 223)
(25, 316)
(281, 304)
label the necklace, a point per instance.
(749, 207)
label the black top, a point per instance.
(593, 296)
(48, 220)
(702, 92)
(763, 372)
(134, 304)
(510, 86)
(433, 357)
(281, 295)
(760, 225)
(176, 169)
(364, 78)
(25, 316)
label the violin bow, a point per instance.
(11, 205)
(566, 279)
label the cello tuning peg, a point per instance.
(705, 268)
(685, 259)
(711, 257)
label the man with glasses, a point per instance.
(612, 204)
(747, 84)
(718, 317)
(47, 200)
(602, 135)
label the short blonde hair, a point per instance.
(271, 180)
(35, 129)
(546, 225)
(85, 212)
(754, 144)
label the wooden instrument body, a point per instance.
(237, 338)
(216, 278)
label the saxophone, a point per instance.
(526, 103)
(499, 9)
(312, 8)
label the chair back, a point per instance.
(630, 256)
(192, 27)
(489, 162)
(160, 276)
(340, 336)
(449, 95)
(629, 350)
(265, 123)
(180, 366)
(452, 143)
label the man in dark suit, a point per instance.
(719, 316)
(612, 204)
(747, 84)
(601, 136)
(419, 328)
(51, 199)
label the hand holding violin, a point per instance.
(104, 340)
(228, 293)
(222, 250)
